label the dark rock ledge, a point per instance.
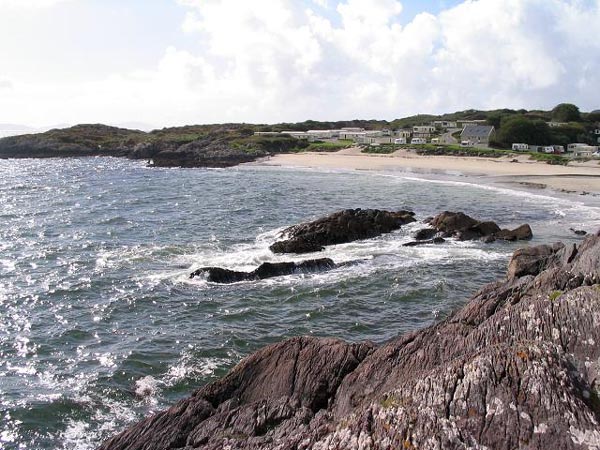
(465, 228)
(517, 367)
(339, 228)
(265, 270)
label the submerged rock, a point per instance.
(436, 240)
(425, 234)
(265, 270)
(516, 367)
(466, 228)
(341, 227)
(578, 232)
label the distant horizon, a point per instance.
(273, 61)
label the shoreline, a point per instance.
(581, 178)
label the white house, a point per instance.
(297, 134)
(548, 149)
(575, 146)
(418, 141)
(323, 134)
(352, 135)
(400, 141)
(584, 152)
(423, 129)
(520, 147)
(435, 141)
(406, 134)
(464, 123)
(439, 124)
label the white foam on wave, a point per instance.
(357, 259)
(147, 388)
(85, 435)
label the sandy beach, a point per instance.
(576, 177)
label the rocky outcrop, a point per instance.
(265, 270)
(80, 140)
(278, 389)
(517, 367)
(189, 146)
(341, 227)
(465, 228)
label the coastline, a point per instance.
(582, 178)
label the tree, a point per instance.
(594, 116)
(566, 112)
(523, 130)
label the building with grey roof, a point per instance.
(477, 134)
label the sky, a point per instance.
(156, 63)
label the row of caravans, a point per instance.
(538, 148)
(577, 149)
(413, 141)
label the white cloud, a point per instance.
(276, 60)
(6, 84)
(29, 4)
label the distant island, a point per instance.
(555, 136)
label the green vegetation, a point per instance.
(456, 150)
(269, 144)
(321, 146)
(384, 149)
(532, 128)
(522, 129)
(390, 402)
(95, 136)
(549, 158)
(554, 295)
(432, 149)
(566, 112)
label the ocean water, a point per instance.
(100, 324)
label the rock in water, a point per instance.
(341, 227)
(425, 234)
(220, 275)
(516, 367)
(436, 240)
(265, 270)
(578, 232)
(466, 228)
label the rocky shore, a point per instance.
(190, 146)
(516, 367)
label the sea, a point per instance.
(100, 324)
